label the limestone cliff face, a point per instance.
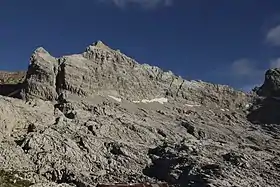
(104, 71)
(101, 117)
(41, 76)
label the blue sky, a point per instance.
(221, 41)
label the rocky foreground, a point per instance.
(101, 117)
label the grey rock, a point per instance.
(271, 85)
(101, 117)
(104, 71)
(41, 76)
(51, 185)
(266, 106)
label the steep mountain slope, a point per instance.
(11, 82)
(101, 117)
(11, 77)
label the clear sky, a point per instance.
(222, 41)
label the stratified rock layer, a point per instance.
(103, 71)
(101, 117)
(41, 76)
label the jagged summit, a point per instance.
(100, 45)
(271, 86)
(102, 71)
(102, 117)
(41, 50)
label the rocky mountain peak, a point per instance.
(102, 71)
(41, 50)
(102, 117)
(98, 46)
(271, 85)
(101, 45)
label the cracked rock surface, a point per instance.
(101, 117)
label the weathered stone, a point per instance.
(104, 71)
(41, 76)
(101, 117)
(266, 107)
(271, 85)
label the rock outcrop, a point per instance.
(266, 107)
(103, 71)
(41, 76)
(101, 117)
(271, 86)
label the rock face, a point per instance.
(101, 117)
(41, 76)
(101, 70)
(271, 86)
(266, 108)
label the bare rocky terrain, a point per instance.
(11, 77)
(101, 117)
(11, 82)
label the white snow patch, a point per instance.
(115, 98)
(160, 100)
(189, 105)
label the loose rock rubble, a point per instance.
(101, 117)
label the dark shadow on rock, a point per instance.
(266, 113)
(11, 90)
(13, 179)
(176, 170)
(64, 176)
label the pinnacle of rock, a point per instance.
(41, 50)
(271, 85)
(101, 45)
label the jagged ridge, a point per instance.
(103, 71)
(101, 117)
